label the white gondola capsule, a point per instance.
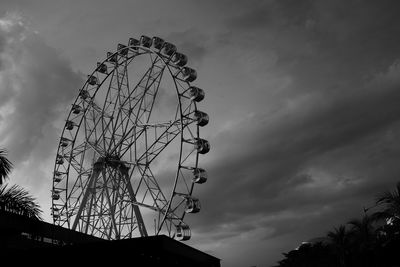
(122, 49)
(59, 159)
(202, 146)
(111, 57)
(192, 205)
(55, 209)
(84, 94)
(133, 43)
(101, 67)
(183, 232)
(145, 41)
(168, 49)
(55, 212)
(92, 80)
(69, 125)
(179, 59)
(57, 176)
(199, 176)
(196, 94)
(189, 74)
(201, 118)
(158, 42)
(64, 142)
(76, 109)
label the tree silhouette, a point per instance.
(390, 200)
(372, 241)
(340, 243)
(15, 199)
(363, 240)
(5, 166)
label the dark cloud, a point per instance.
(260, 167)
(36, 85)
(324, 151)
(38, 82)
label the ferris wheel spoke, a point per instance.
(160, 142)
(122, 85)
(148, 180)
(152, 82)
(126, 105)
(158, 198)
(79, 183)
(144, 108)
(121, 123)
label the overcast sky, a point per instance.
(303, 98)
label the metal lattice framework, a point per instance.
(128, 157)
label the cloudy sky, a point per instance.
(303, 98)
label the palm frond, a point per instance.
(17, 200)
(5, 165)
(380, 215)
(390, 201)
(338, 232)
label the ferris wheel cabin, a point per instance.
(84, 94)
(111, 57)
(158, 42)
(133, 43)
(145, 41)
(201, 118)
(202, 145)
(122, 49)
(56, 195)
(64, 142)
(199, 175)
(179, 59)
(92, 80)
(60, 159)
(168, 49)
(189, 74)
(76, 109)
(196, 94)
(192, 205)
(69, 125)
(102, 68)
(183, 232)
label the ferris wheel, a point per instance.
(128, 157)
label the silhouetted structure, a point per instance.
(34, 241)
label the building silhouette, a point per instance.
(29, 240)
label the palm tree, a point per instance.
(5, 166)
(363, 240)
(363, 230)
(390, 200)
(340, 242)
(17, 200)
